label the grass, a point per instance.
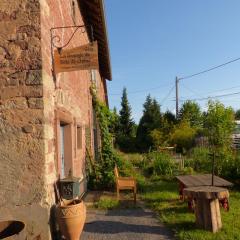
(135, 158)
(107, 203)
(162, 196)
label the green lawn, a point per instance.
(162, 196)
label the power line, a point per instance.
(140, 91)
(210, 69)
(190, 90)
(232, 100)
(168, 94)
(210, 97)
(224, 89)
(220, 90)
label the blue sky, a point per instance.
(153, 41)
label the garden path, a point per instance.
(124, 224)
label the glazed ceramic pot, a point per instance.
(71, 215)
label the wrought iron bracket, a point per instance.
(56, 41)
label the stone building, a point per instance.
(45, 122)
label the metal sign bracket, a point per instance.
(56, 41)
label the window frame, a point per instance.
(64, 117)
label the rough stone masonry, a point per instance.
(31, 106)
(21, 117)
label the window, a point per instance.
(64, 143)
(79, 137)
(94, 77)
(62, 171)
(65, 149)
(88, 138)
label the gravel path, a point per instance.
(124, 224)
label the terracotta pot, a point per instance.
(71, 216)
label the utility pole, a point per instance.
(176, 83)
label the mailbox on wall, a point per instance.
(70, 187)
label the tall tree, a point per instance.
(183, 135)
(169, 117)
(150, 120)
(191, 111)
(168, 123)
(237, 114)
(114, 124)
(219, 125)
(125, 118)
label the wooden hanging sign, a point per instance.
(80, 58)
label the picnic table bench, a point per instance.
(187, 181)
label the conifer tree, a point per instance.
(114, 126)
(168, 122)
(169, 117)
(125, 118)
(150, 121)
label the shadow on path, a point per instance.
(137, 212)
(113, 227)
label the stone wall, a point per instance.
(31, 105)
(70, 93)
(22, 160)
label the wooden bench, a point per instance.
(125, 183)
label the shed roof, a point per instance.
(94, 15)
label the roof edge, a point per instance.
(102, 3)
(93, 14)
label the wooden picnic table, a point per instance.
(186, 181)
(203, 180)
(206, 200)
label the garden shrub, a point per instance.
(187, 171)
(126, 168)
(157, 138)
(199, 160)
(159, 163)
(136, 159)
(235, 173)
(125, 143)
(226, 164)
(183, 136)
(141, 182)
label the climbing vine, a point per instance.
(101, 174)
